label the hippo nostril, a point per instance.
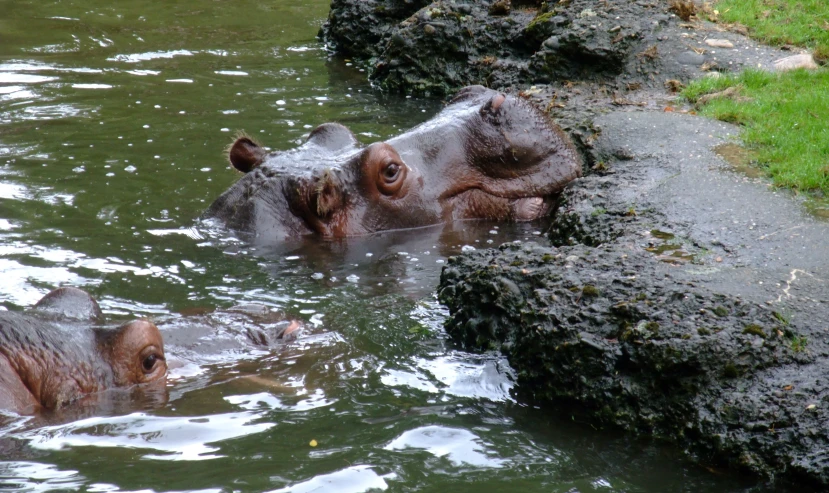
(326, 196)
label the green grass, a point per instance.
(786, 116)
(779, 22)
(798, 343)
(785, 120)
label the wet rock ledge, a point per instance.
(616, 342)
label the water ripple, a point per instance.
(354, 479)
(459, 446)
(176, 438)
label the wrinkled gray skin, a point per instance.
(69, 304)
(487, 155)
(51, 355)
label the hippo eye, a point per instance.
(383, 166)
(391, 172)
(391, 178)
(150, 362)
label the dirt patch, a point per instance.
(740, 158)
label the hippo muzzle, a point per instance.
(487, 155)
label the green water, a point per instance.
(113, 121)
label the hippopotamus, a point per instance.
(487, 155)
(56, 353)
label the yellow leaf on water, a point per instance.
(313, 443)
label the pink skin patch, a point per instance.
(293, 330)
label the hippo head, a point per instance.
(47, 361)
(135, 352)
(487, 155)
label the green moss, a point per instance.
(539, 19)
(598, 211)
(517, 263)
(652, 326)
(754, 329)
(590, 290)
(783, 318)
(720, 311)
(547, 257)
(703, 331)
(731, 371)
(641, 297)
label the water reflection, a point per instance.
(355, 479)
(456, 374)
(35, 477)
(177, 438)
(460, 447)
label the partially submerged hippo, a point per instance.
(485, 156)
(50, 356)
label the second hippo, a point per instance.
(51, 355)
(487, 155)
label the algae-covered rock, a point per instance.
(356, 28)
(436, 47)
(638, 350)
(447, 45)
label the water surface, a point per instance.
(113, 121)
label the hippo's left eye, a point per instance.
(392, 176)
(382, 165)
(150, 362)
(391, 172)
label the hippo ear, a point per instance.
(493, 106)
(470, 92)
(245, 154)
(333, 136)
(71, 304)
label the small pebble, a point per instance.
(719, 43)
(795, 62)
